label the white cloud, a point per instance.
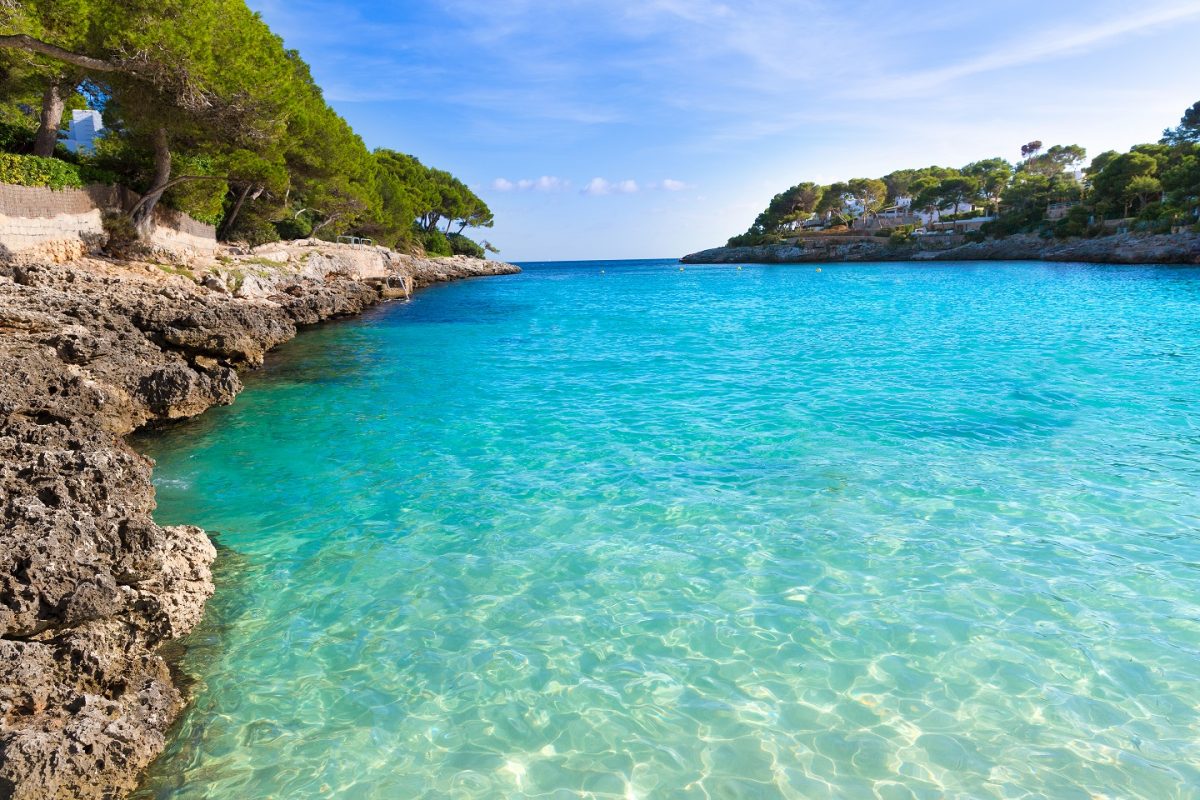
(546, 183)
(603, 186)
(598, 186)
(669, 185)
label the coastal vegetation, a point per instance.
(206, 111)
(1054, 192)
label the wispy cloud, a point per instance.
(668, 185)
(546, 183)
(1055, 44)
(602, 186)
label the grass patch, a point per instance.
(172, 269)
(265, 262)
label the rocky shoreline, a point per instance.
(90, 586)
(1178, 248)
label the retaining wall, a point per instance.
(60, 225)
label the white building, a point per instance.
(904, 207)
(85, 127)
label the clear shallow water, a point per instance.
(876, 531)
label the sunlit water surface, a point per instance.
(871, 531)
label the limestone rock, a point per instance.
(90, 585)
(1129, 248)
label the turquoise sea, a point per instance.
(614, 530)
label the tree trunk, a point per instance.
(52, 112)
(227, 225)
(143, 213)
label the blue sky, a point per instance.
(652, 128)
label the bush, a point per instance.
(462, 246)
(293, 228)
(89, 173)
(1015, 221)
(963, 216)
(749, 239)
(1152, 225)
(1075, 223)
(253, 228)
(52, 173)
(16, 138)
(122, 235)
(436, 243)
(35, 171)
(1152, 212)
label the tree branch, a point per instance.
(174, 182)
(163, 74)
(22, 41)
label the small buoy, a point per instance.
(601, 272)
(681, 269)
(739, 269)
(818, 269)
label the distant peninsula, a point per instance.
(1142, 206)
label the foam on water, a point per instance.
(882, 531)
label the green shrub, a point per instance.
(293, 228)
(89, 173)
(407, 242)
(749, 239)
(122, 235)
(1075, 223)
(1152, 225)
(16, 138)
(436, 243)
(53, 173)
(462, 246)
(35, 171)
(252, 227)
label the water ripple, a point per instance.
(882, 531)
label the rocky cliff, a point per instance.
(90, 586)
(1181, 248)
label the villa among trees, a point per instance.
(1050, 191)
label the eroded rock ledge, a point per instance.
(90, 586)
(1179, 248)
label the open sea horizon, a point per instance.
(645, 530)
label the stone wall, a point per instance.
(181, 234)
(62, 225)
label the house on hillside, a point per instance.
(85, 127)
(1056, 211)
(902, 213)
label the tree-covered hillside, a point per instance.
(209, 113)
(1153, 187)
